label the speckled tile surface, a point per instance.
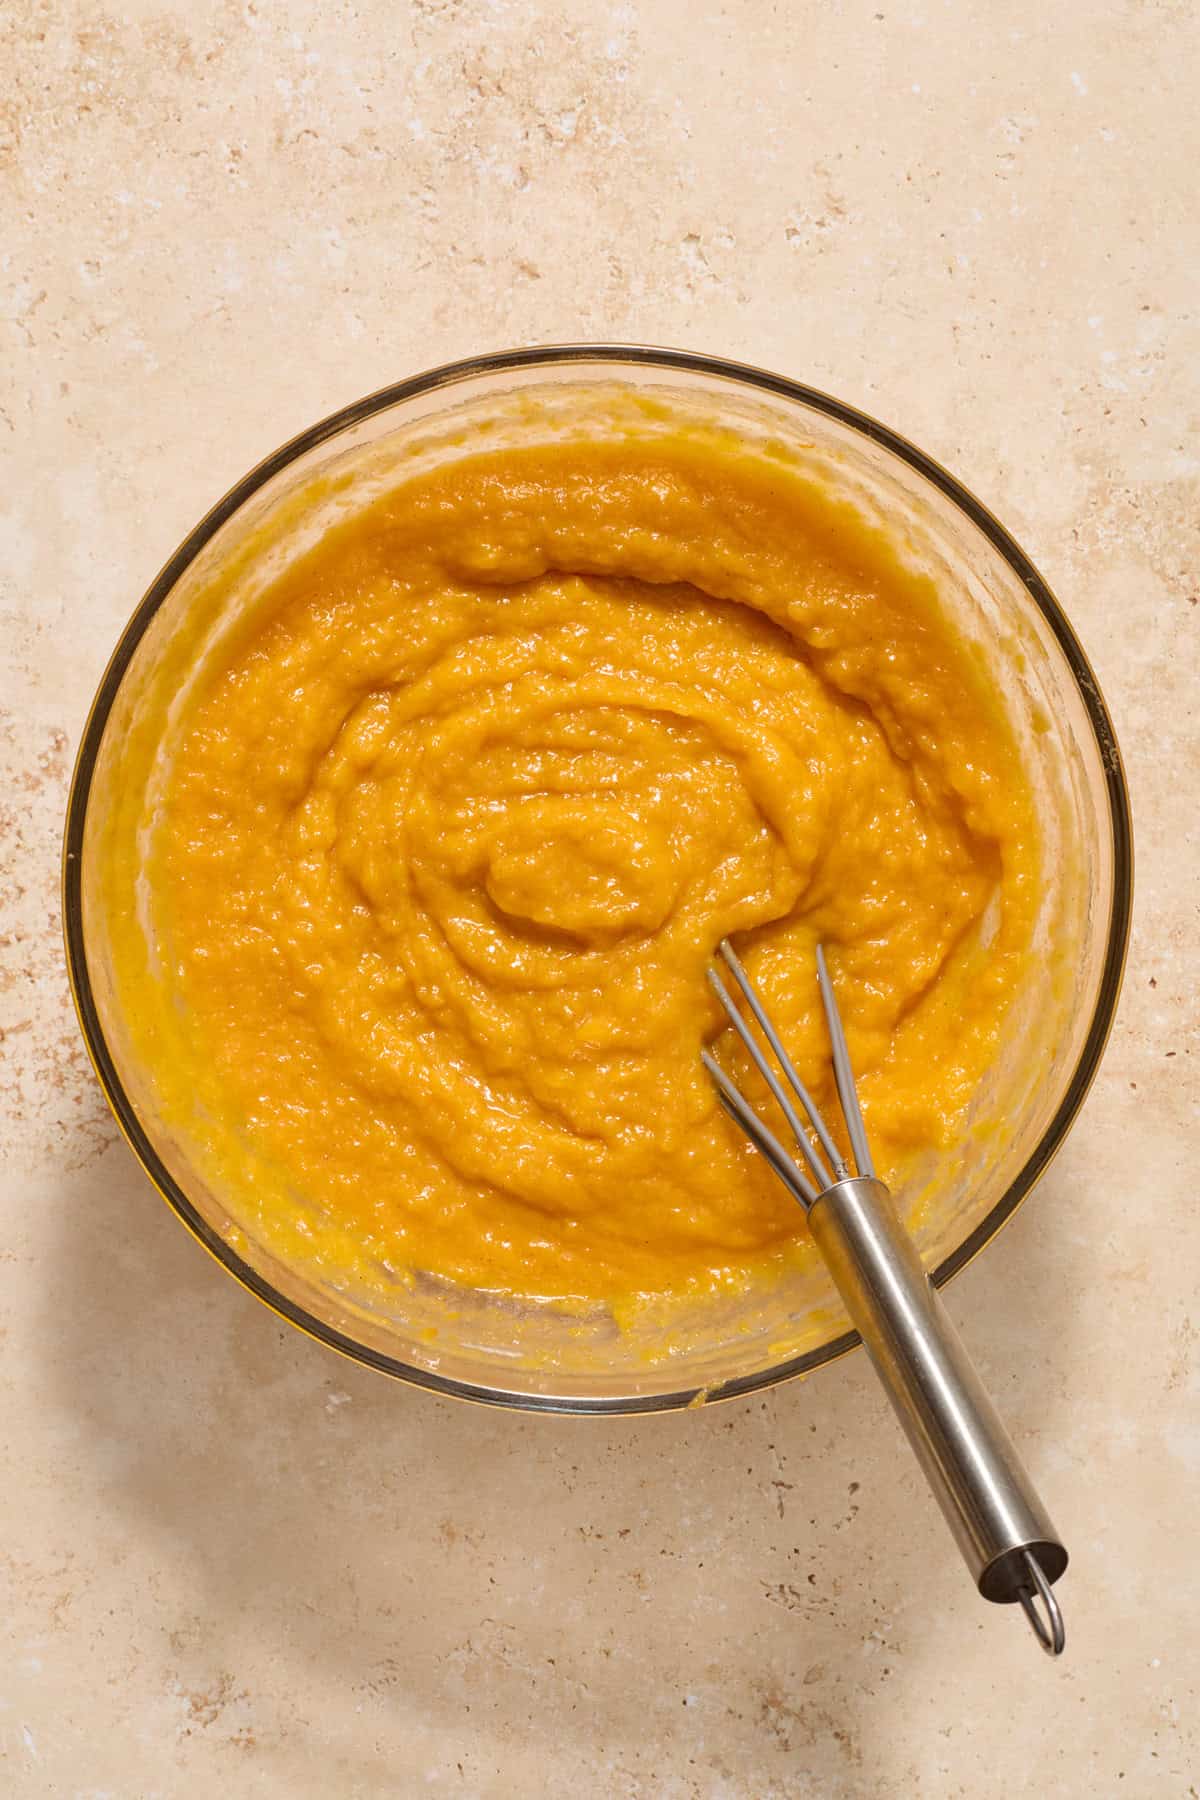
(233, 1565)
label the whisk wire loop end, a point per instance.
(1050, 1631)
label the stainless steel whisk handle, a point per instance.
(1001, 1527)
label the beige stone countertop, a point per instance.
(236, 1565)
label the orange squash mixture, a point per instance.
(450, 835)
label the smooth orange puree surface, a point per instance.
(453, 829)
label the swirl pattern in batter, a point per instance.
(450, 836)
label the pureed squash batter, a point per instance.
(451, 831)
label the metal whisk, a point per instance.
(1000, 1525)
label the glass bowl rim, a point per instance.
(555, 356)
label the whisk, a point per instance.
(1001, 1527)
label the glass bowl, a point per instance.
(474, 1346)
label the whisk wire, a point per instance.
(750, 995)
(764, 1140)
(843, 1074)
(772, 1080)
(821, 1172)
